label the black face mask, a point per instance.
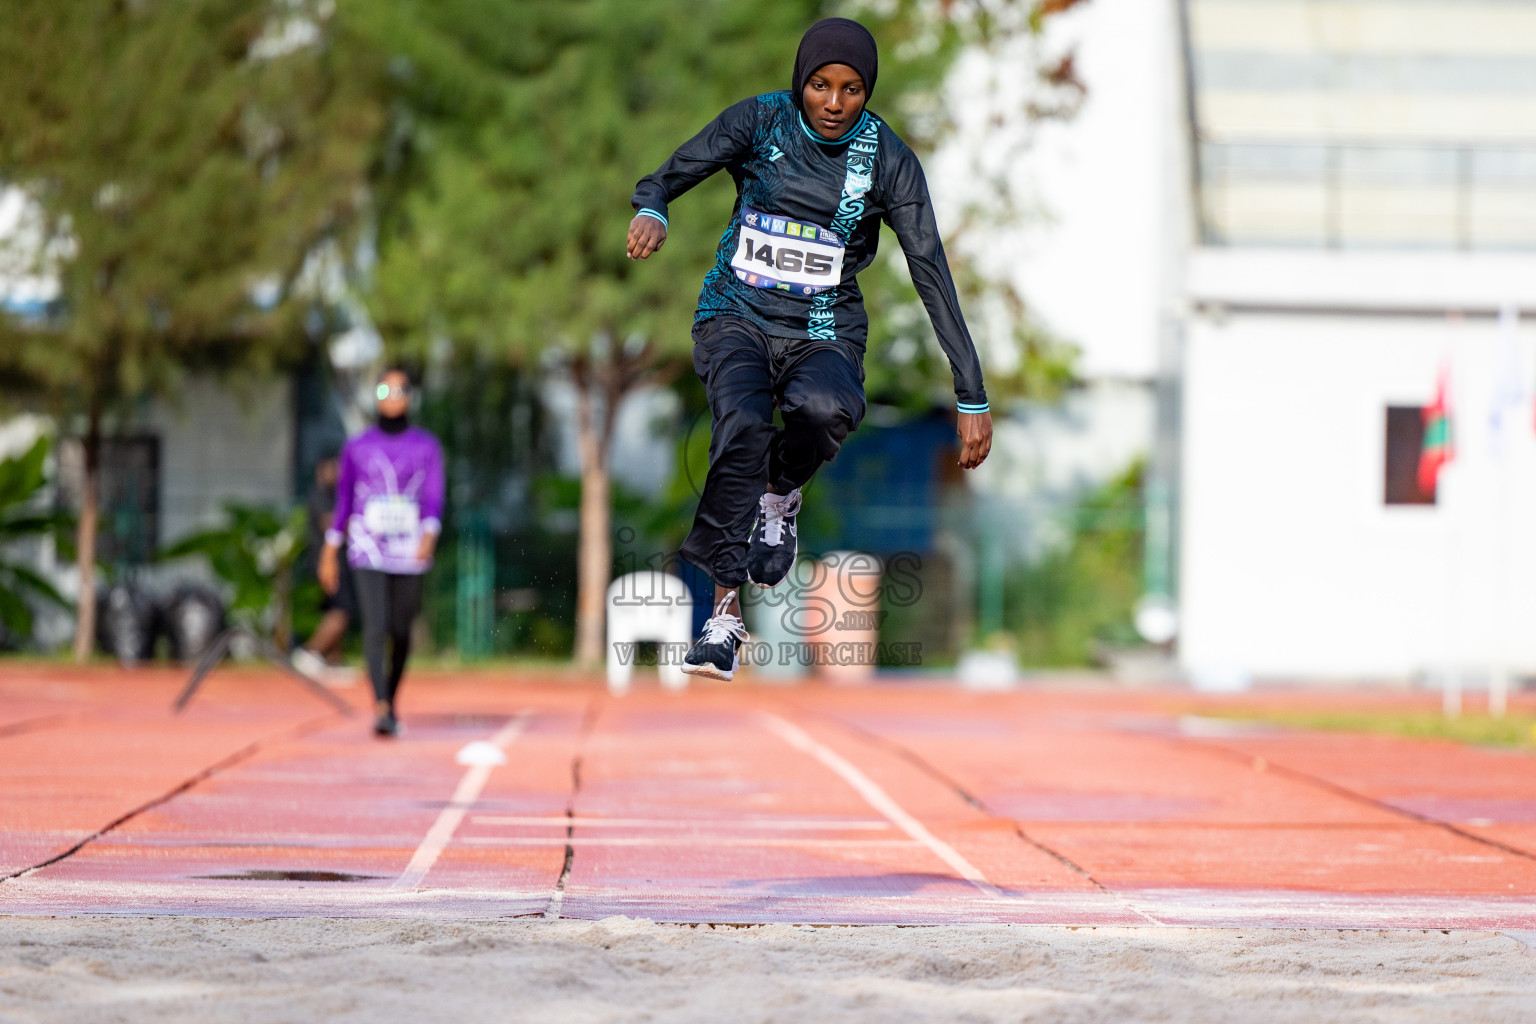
(394, 424)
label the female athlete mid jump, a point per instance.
(780, 318)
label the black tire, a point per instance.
(193, 618)
(126, 624)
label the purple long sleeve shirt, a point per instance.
(389, 492)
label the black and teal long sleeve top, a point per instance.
(807, 221)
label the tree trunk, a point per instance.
(595, 561)
(609, 374)
(85, 540)
(594, 429)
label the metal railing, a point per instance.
(1368, 194)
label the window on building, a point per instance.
(130, 495)
(1405, 442)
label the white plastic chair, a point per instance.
(648, 606)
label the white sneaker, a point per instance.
(309, 664)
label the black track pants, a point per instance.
(818, 387)
(389, 603)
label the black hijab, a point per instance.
(835, 41)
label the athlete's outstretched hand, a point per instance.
(975, 430)
(646, 235)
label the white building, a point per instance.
(1270, 226)
(1365, 206)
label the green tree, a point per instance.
(21, 478)
(182, 163)
(1082, 596)
(521, 129)
(254, 554)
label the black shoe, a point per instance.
(715, 655)
(386, 725)
(772, 546)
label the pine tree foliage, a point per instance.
(182, 162)
(186, 160)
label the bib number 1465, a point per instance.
(785, 258)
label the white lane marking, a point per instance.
(464, 797)
(880, 800)
(675, 841)
(481, 752)
(768, 823)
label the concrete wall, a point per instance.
(220, 444)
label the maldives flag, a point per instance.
(1437, 450)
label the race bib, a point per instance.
(788, 256)
(391, 515)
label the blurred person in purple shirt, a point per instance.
(389, 506)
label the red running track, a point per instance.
(532, 797)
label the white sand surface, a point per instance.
(84, 970)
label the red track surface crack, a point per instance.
(557, 898)
(936, 773)
(944, 778)
(32, 724)
(242, 754)
(1350, 794)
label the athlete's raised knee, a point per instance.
(824, 412)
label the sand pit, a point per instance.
(85, 970)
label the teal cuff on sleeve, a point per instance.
(963, 407)
(648, 212)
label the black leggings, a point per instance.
(389, 603)
(818, 387)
